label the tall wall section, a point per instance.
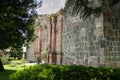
(68, 39)
(82, 40)
(40, 44)
(91, 42)
(112, 36)
(55, 38)
(48, 42)
(30, 52)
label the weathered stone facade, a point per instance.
(92, 42)
(68, 39)
(82, 40)
(112, 36)
(30, 52)
(49, 36)
(40, 42)
(55, 38)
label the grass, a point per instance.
(11, 68)
(15, 67)
(4, 75)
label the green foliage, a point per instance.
(16, 53)
(16, 66)
(65, 72)
(16, 22)
(19, 61)
(4, 75)
(34, 73)
(5, 58)
(39, 59)
(43, 56)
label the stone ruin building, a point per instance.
(69, 39)
(49, 38)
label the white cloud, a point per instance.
(50, 6)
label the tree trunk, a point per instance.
(1, 66)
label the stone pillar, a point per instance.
(49, 40)
(53, 34)
(37, 45)
(47, 58)
(53, 42)
(54, 25)
(112, 38)
(52, 58)
(59, 58)
(59, 38)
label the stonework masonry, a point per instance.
(112, 36)
(94, 41)
(49, 36)
(67, 39)
(55, 39)
(30, 52)
(40, 43)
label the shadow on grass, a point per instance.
(4, 75)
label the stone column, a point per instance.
(53, 34)
(53, 47)
(59, 58)
(49, 40)
(59, 38)
(37, 45)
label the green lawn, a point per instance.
(15, 67)
(4, 75)
(10, 69)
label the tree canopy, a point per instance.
(16, 22)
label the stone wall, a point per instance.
(68, 39)
(59, 27)
(82, 40)
(30, 52)
(112, 36)
(48, 29)
(89, 42)
(40, 43)
(55, 38)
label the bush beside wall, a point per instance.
(65, 72)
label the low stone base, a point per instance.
(54, 58)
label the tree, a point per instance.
(88, 7)
(1, 65)
(16, 23)
(16, 53)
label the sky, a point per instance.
(50, 6)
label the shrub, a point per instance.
(65, 72)
(5, 58)
(33, 73)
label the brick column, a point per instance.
(59, 58)
(59, 38)
(37, 45)
(53, 47)
(53, 34)
(49, 40)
